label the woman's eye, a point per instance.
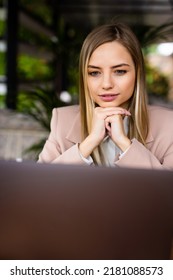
(121, 72)
(94, 73)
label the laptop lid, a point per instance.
(52, 211)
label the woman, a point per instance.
(113, 125)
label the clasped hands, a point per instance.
(109, 121)
(106, 121)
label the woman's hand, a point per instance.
(106, 121)
(115, 128)
(102, 119)
(98, 132)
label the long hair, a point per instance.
(139, 121)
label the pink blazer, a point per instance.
(62, 143)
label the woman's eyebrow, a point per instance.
(120, 65)
(95, 67)
(114, 66)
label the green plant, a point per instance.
(157, 34)
(39, 104)
(2, 63)
(2, 28)
(150, 37)
(32, 67)
(39, 9)
(2, 101)
(157, 83)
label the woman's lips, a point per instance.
(108, 97)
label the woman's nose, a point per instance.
(107, 82)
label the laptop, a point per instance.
(71, 212)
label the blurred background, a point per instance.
(40, 43)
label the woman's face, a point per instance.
(111, 75)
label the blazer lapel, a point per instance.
(149, 137)
(74, 134)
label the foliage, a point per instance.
(2, 28)
(157, 34)
(37, 39)
(157, 83)
(39, 104)
(2, 101)
(149, 37)
(2, 63)
(33, 68)
(38, 8)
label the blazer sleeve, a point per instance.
(138, 156)
(56, 150)
(158, 152)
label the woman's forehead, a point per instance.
(111, 52)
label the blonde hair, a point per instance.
(139, 122)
